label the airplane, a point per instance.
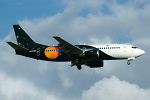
(89, 55)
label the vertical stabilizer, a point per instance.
(22, 37)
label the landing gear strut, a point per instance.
(130, 59)
(77, 63)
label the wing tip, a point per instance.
(56, 37)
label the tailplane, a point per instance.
(16, 47)
(22, 38)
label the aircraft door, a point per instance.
(38, 51)
(125, 48)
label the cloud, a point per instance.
(114, 89)
(21, 89)
(126, 20)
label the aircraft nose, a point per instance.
(139, 52)
(142, 52)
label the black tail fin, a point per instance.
(22, 38)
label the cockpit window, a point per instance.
(134, 47)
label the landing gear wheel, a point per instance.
(79, 67)
(128, 62)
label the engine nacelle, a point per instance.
(90, 54)
(95, 64)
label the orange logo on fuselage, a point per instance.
(52, 52)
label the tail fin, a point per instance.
(22, 37)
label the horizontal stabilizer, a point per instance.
(16, 47)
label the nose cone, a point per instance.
(141, 52)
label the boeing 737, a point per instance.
(90, 55)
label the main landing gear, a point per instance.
(79, 67)
(76, 63)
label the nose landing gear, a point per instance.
(130, 59)
(128, 63)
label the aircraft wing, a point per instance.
(67, 47)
